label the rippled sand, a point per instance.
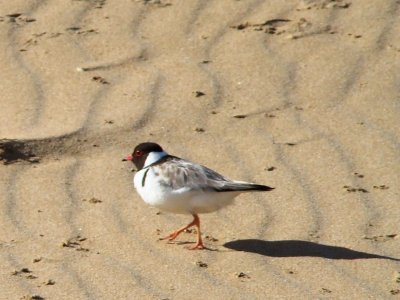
(299, 95)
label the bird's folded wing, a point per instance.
(177, 173)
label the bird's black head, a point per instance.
(141, 152)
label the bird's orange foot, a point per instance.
(196, 222)
(198, 246)
(172, 236)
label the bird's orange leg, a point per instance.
(175, 234)
(199, 244)
(195, 222)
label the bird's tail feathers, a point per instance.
(239, 186)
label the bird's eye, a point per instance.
(138, 153)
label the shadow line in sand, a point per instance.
(297, 248)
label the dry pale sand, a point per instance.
(299, 95)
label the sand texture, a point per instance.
(303, 96)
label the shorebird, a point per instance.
(180, 186)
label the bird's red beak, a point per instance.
(129, 157)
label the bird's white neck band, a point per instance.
(154, 157)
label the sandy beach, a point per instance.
(299, 95)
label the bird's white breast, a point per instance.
(151, 191)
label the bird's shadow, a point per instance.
(298, 248)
